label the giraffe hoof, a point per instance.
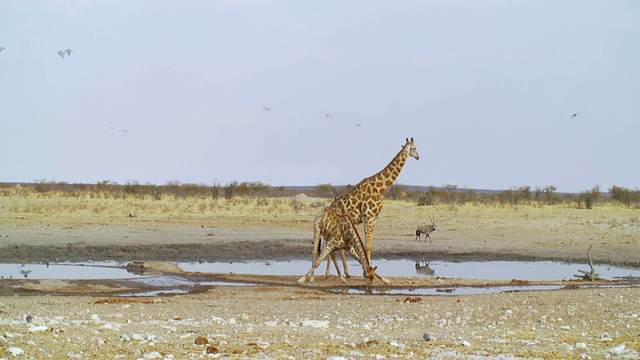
(385, 280)
(343, 279)
(302, 280)
(311, 280)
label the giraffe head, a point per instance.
(369, 273)
(411, 147)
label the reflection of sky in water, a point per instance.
(486, 270)
(103, 270)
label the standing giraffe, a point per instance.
(362, 204)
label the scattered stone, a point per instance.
(316, 323)
(618, 350)
(15, 351)
(426, 337)
(262, 344)
(201, 340)
(38, 328)
(153, 355)
(410, 299)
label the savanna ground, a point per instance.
(284, 319)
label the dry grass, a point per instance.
(606, 222)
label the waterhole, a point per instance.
(485, 270)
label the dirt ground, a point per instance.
(464, 233)
(282, 319)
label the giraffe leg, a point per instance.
(383, 279)
(315, 264)
(317, 242)
(369, 227)
(344, 264)
(335, 263)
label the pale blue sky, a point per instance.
(486, 88)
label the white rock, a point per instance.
(153, 355)
(618, 350)
(316, 323)
(605, 337)
(15, 351)
(581, 345)
(38, 328)
(466, 343)
(111, 326)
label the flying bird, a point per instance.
(68, 51)
(573, 115)
(327, 115)
(2, 48)
(266, 108)
(112, 127)
(61, 53)
(358, 125)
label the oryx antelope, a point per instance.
(424, 269)
(426, 229)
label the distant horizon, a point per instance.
(603, 190)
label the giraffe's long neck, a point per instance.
(382, 180)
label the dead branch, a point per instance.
(589, 275)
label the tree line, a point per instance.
(422, 195)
